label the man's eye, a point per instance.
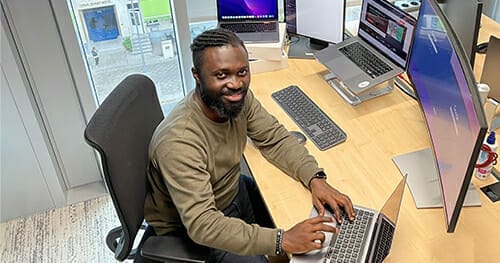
(242, 72)
(220, 75)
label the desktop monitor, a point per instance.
(446, 89)
(315, 24)
(465, 18)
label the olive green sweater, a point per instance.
(194, 174)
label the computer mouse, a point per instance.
(482, 48)
(301, 138)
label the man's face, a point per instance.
(223, 80)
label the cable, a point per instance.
(405, 86)
(492, 157)
(292, 39)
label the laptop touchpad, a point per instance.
(343, 68)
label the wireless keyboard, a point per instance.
(322, 130)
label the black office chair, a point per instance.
(120, 130)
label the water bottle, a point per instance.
(487, 157)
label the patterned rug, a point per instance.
(75, 233)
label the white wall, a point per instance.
(492, 9)
(28, 178)
(52, 154)
(496, 12)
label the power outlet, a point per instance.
(408, 5)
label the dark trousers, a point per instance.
(241, 207)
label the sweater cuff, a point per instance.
(267, 241)
(307, 174)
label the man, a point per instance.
(195, 182)
(95, 55)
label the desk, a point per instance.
(361, 167)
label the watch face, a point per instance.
(320, 175)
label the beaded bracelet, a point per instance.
(279, 241)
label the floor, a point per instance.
(75, 233)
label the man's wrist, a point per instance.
(319, 175)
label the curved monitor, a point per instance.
(446, 88)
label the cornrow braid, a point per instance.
(212, 38)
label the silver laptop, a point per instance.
(378, 53)
(490, 74)
(367, 239)
(254, 21)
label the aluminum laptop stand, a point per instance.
(353, 98)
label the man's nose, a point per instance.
(235, 83)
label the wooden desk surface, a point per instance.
(362, 167)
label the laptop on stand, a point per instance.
(378, 53)
(367, 239)
(254, 21)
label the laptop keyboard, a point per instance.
(348, 245)
(250, 27)
(383, 245)
(322, 130)
(365, 59)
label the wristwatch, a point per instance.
(320, 175)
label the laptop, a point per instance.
(490, 74)
(371, 234)
(378, 53)
(253, 21)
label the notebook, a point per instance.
(490, 74)
(370, 245)
(254, 21)
(384, 36)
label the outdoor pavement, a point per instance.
(115, 63)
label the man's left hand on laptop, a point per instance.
(323, 193)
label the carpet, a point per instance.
(75, 233)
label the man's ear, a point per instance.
(196, 75)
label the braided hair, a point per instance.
(213, 38)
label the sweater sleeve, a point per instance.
(277, 145)
(184, 172)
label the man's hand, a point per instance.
(301, 237)
(323, 193)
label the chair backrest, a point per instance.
(120, 130)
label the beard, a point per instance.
(225, 109)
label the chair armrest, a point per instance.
(173, 248)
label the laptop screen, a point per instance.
(243, 10)
(393, 204)
(388, 29)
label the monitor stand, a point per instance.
(423, 181)
(353, 98)
(304, 47)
